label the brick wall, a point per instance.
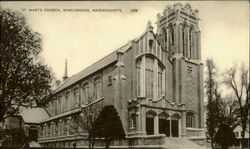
(191, 87)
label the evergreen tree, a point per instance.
(225, 136)
(108, 125)
(222, 113)
(212, 97)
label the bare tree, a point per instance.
(229, 111)
(238, 81)
(228, 119)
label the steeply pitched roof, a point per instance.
(89, 70)
(93, 68)
(34, 115)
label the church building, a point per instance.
(155, 83)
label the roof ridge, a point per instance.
(64, 82)
(97, 61)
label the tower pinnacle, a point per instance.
(66, 71)
(149, 26)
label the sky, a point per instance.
(85, 37)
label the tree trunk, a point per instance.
(93, 143)
(243, 139)
(89, 139)
(212, 143)
(107, 143)
(224, 146)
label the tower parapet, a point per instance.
(178, 31)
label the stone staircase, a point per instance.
(181, 143)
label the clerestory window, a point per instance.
(76, 97)
(67, 102)
(97, 88)
(85, 93)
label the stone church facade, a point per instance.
(155, 82)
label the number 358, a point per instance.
(134, 10)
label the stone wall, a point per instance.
(151, 142)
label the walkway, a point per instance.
(181, 143)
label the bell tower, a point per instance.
(178, 31)
(179, 34)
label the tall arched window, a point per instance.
(149, 77)
(76, 97)
(45, 131)
(190, 120)
(48, 132)
(150, 45)
(85, 93)
(97, 88)
(133, 121)
(67, 102)
(55, 106)
(190, 43)
(171, 41)
(59, 104)
(138, 76)
(52, 106)
(41, 131)
(183, 41)
(149, 71)
(165, 39)
(160, 73)
(56, 128)
(172, 36)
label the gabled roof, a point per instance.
(101, 63)
(112, 57)
(33, 115)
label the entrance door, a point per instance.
(164, 127)
(175, 128)
(150, 126)
(168, 128)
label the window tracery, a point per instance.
(96, 88)
(149, 77)
(85, 93)
(190, 120)
(133, 121)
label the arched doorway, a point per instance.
(33, 133)
(175, 125)
(150, 122)
(164, 124)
